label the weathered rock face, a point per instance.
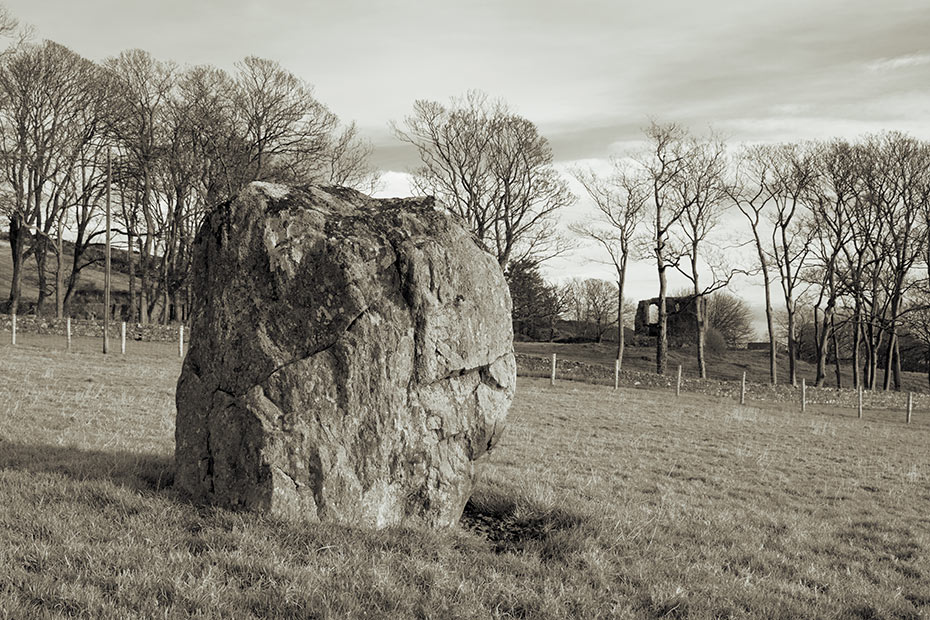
(350, 359)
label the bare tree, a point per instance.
(47, 90)
(142, 89)
(665, 166)
(701, 191)
(621, 199)
(731, 316)
(900, 193)
(794, 172)
(750, 191)
(591, 303)
(284, 128)
(492, 169)
(834, 189)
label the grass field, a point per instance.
(727, 366)
(596, 504)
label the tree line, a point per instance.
(838, 227)
(168, 143)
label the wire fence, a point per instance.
(904, 407)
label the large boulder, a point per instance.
(350, 359)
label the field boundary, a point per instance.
(529, 365)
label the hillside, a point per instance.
(92, 277)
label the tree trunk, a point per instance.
(836, 352)
(60, 277)
(856, 326)
(823, 342)
(621, 285)
(41, 256)
(18, 250)
(131, 260)
(928, 365)
(143, 283)
(792, 345)
(662, 337)
(770, 325)
(896, 369)
(701, 326)
(889, 359)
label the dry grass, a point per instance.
(597, 504)
(726, 366)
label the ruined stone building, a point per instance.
(682, 319)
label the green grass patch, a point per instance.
(596, 504)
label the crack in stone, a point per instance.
(297, 360)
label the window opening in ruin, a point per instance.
(653, 314)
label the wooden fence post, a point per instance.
(14, 329)
(678, 383)
(803, 395)
(910, 405)
(859, 408)
(69, 333)
(122, 343)
(552, 375)
(180, 341)
(616, 374)
(742, 390)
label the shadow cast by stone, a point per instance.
(512, 523)
(133, 470)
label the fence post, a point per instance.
(122, 342)
(859, 409)
(803, 395)
(910, 405)
(552, 374)
(678, 383)
(180, 341)
(742, 390)
(616, 374)
(69, 333)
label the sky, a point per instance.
(589, 73)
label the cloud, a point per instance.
(899, 62)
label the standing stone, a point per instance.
(350, 359)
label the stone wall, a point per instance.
(31, 324)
